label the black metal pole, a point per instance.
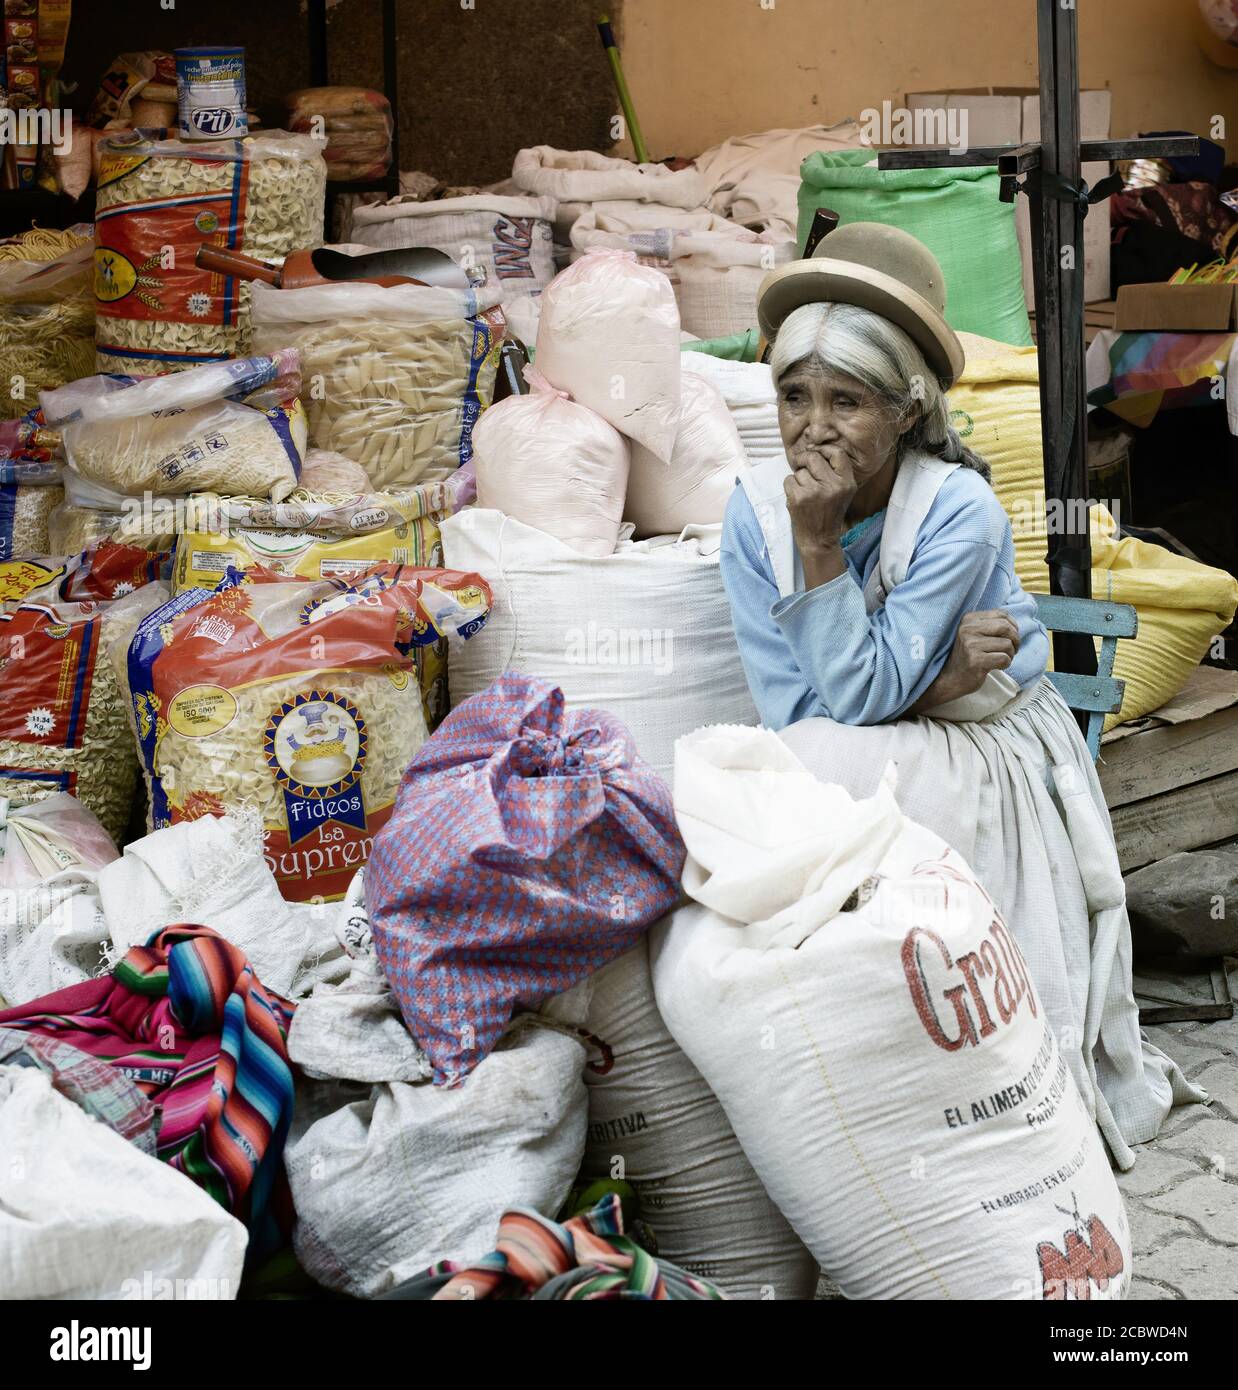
(1059, 270)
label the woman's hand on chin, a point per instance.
(819, 491)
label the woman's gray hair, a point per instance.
(860, 343)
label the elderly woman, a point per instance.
(879, 618)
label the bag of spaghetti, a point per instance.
(294, 699)
(47, 315)
(232, 427)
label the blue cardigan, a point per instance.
(821, 653)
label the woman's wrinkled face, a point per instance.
(824, 412)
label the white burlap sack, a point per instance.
(553, 464)
(748, 389)
(718, 275)
(644, 633)
(693, 489)
(52, 935)
(870, 1027)
(84, 1214)
(414, 1173)
(609, 335)
(654, 1123)
(511, 239)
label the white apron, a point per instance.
(1006, 779)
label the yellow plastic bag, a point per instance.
(1182, 605)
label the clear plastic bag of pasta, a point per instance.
(47, 315)
(393, 377)
(295, 699)
(158, 201)
(233, 427)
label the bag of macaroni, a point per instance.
(295, 698)
(868, 1022)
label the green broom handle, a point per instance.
(621, 85)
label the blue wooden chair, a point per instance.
(1100, 694)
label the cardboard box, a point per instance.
(1011, 116)
(1176, 308)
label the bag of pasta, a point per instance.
(293, 699)
(158, 201)
(63, 726)
(47, 315)
(29, 494)
(395, 376)
(233, 427)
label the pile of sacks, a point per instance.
(600, 498)
(511, 1015)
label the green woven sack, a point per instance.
(738, 347)
(956, 213)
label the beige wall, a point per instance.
(700, 70)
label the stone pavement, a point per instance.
(1182, 1194)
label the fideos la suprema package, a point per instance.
(296, 699)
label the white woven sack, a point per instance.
(869, 1025)
(654, 1122)
(748, 389)
(609, 335)
(414, 1173)
(644, 633)
(718, 274)
(511, 239)
(694, 488)
(85, 1214)
(52, 935)
(585, 176)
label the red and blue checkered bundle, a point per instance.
(528, 847)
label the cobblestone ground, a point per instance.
(1182, 1194)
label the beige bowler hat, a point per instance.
(875, 267)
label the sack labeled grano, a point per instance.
(857, 1004)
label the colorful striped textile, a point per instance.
(185, 1019)
(99, 1089)
(529, 845)
(587, 1257)
(1148, 372)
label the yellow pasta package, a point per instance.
(204, 557)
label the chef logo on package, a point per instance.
(315, 746)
